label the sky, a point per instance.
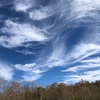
(48, 41)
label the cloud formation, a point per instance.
(23, 5)
(39, 14)
(18, 34)
(52, 32)
(6, 71)
(31, 71)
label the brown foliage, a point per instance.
(79, 91)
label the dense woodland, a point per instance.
(82, 90)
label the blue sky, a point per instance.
(48, 41)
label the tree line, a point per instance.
(82, 90)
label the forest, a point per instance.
(83, 90)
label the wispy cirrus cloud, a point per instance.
(18, 34)
(55, 24)
(6, 71)
(23, 5)
(40, 14)
(31, 77)
(88, 75)
(83, 59)
(79, 11)
(77, 60)
(83, 67)
(26, 67)
(85, 8)
(25, 52)
(31, 71)
(92, 60)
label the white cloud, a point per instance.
(78, 10)
(91, 60)
(23, 5)
(25, 52)
(80, 57)
(55, 59)
(26, 67)
(79, 52)
(31, 71)
(82, 67)
(82, 8)
(31, 67)
(39, 14)
(84, 50)
(88, 75)
(59, 56)
(6, 71)
(19, 34)
(31, 77)
(16, 34)
(92, 3)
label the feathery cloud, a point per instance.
(18, 34)
(23, 5)
(88, 75)
(31, 71)
(40, 14)
(79, 59)
(6, 71)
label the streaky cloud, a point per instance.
(40, 14)
(30, 77)
(25, 52)
(6, 71)
(31, 71)
(52, 26)
(20, 34)
(23, 5)
(88, 75)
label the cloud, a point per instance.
(78, 11)
(55, 33)
(23, 5)
(16, 34)
(87, 47)
(6, 71)
(59, 57)
(31, 77)
(83, 8)
(88, 75)
(81, 57)
(81, 51)
(92, 60)
(26, 67)
(76, 60)
(25, 52)
(58, 52)
(31, 71)
(40, 14)
(82, 67)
